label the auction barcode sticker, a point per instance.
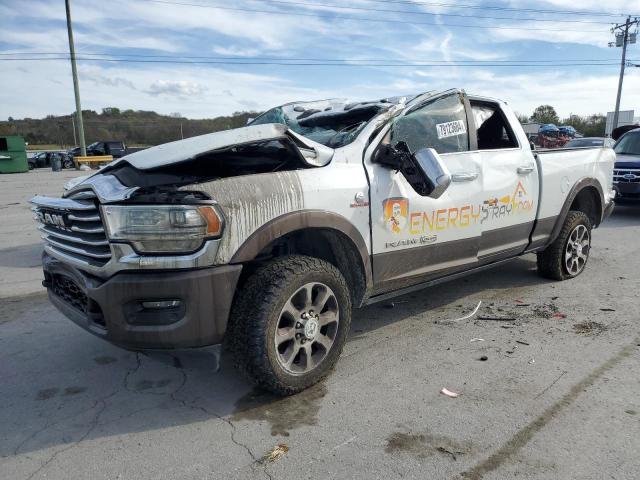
(451, 129)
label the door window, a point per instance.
(492, 129)
(440, 124)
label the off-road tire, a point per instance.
(551, 261)
(256, 312)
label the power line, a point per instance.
(416, 12)
(361, 19)
(497, 8)
(324, 64)
(293, 59)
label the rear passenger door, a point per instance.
(510, 183)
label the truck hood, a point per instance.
(312, 154)
(627, 161)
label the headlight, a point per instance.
(162, 228)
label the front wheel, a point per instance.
(289, 323)
(567, 256)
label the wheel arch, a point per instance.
(586, 196)
(316, 233)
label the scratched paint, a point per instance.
(250, 201)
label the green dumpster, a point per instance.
(13, 155)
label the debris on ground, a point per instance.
(453, 454)
(483, 358)
(466, 317)
(449, 393)
(276, 453)
(607, 309)
(497, 319)
(522, 342)
(559, 315)
(477, 340)
(589, 328)
(532, 361)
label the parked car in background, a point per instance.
(44, 160)
(114, 148)
(626, 172)
(590, 142)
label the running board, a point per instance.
(430, 283)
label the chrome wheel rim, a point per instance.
(577, 250)
(307, 328)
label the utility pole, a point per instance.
(76, 88)
(622, 39)
(73, 127)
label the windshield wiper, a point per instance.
(627, 153)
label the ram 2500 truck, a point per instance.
(267, 236)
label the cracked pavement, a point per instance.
(557, 397)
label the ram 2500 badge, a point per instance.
(265, 237)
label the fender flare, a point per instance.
(573, 193)
(300, 220)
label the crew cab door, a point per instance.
(510, 183)
(416, 238)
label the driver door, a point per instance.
(418, 238)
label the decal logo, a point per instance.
(396, 212)
(423, 224)
(451, 129)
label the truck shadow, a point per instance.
(62, 386)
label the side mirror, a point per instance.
(427, 173)
(424, 170)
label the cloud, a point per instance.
(197, 90)
(176, 88)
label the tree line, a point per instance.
(132, 127)
(139, 127)
(588, 125)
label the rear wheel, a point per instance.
(68, 163)
(289, 323)
(567, 256)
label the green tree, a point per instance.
(545, 114)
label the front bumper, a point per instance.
(112, 309)
(627, 190)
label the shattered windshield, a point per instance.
(333, 123)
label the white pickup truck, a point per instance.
(267, 236)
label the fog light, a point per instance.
(160, 304)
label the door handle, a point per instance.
(464, 177)
(525, 169)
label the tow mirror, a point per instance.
(427, 173)
(424, 170)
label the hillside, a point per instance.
(132, 127)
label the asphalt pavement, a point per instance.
(548, 385)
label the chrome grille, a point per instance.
(73, 226)
(629, 175)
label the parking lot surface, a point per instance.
(550, 390)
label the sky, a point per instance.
(147, 33)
